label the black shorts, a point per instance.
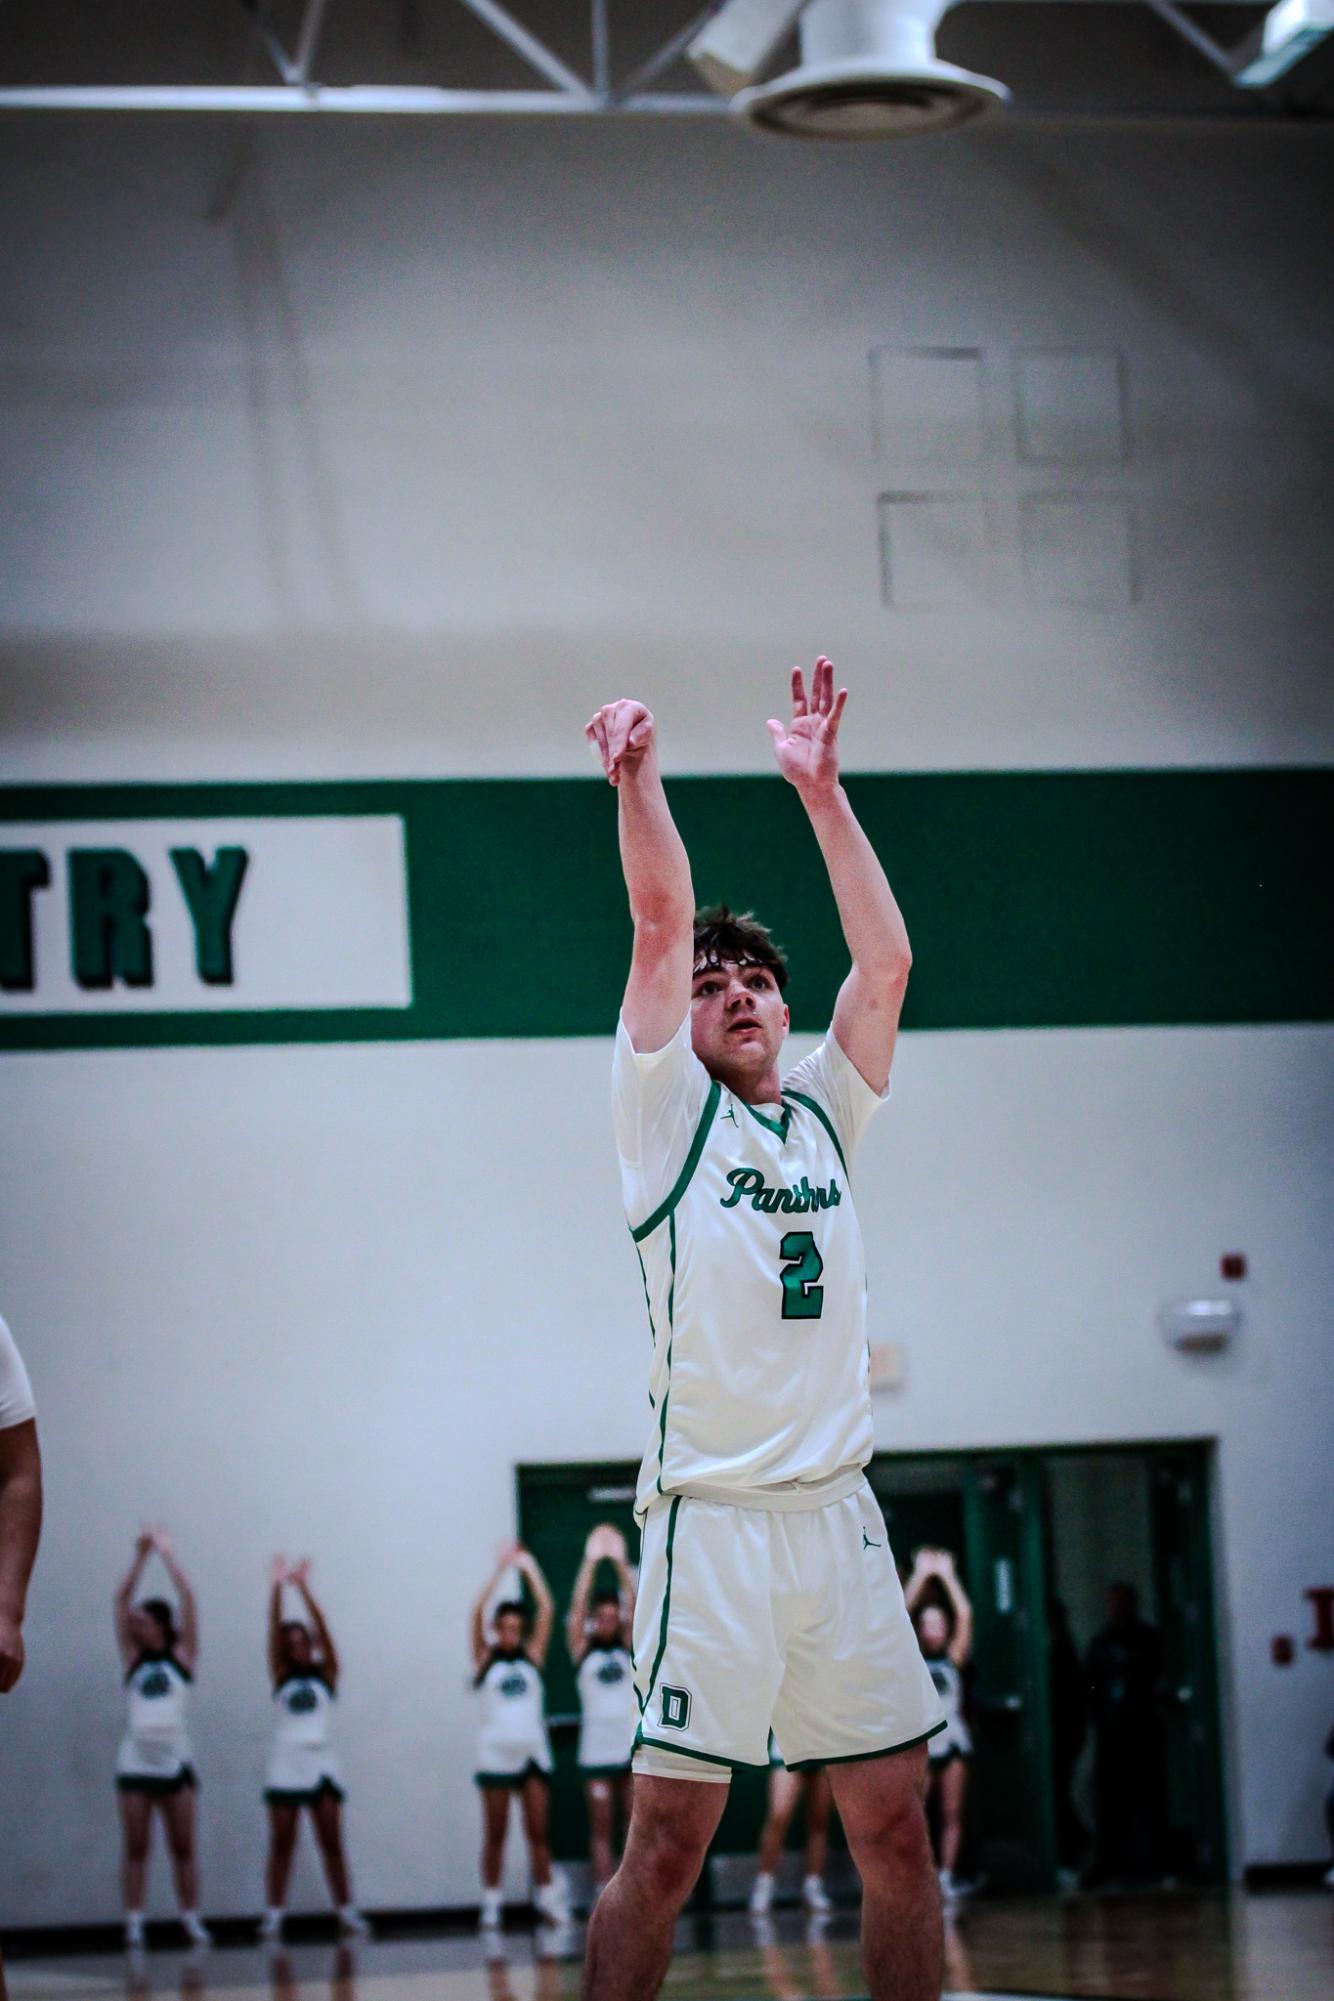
(154, 1788)
(498, 1781)
(308, 1796)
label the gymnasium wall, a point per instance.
(439, 436)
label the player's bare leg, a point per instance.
(881, 1803)
(630, 1933)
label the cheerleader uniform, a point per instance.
(609, 1712)
(955, 1740)
(155, 1755)
(512, 1739)
(302, 1765)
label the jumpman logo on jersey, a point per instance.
(730, 1113)
(868, 1544)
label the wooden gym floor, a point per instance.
(1271, 1947)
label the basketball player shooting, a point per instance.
(768, 1593)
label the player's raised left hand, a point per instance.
(807, 747)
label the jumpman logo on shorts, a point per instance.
(868, 1544)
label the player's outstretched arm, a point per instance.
(866, 1015)
(657, 875)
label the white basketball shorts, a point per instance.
(751, 1616)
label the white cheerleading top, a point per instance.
(948, 1683)
(512, 1728)
(156, 1743)
(302, 1710)
(609, 1710)
(754, 1274)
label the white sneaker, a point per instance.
(551, 1902)
(351, 1923)
(134, 1931)
(949, 1887)
(761, 1895)
(814, 1895)
(1328, 1879)
(271, 1924)
(195, 1929)
(492, 1911)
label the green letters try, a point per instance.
(22, 871)
(212, 896)
(108, 902)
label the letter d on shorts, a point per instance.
(675, 1708)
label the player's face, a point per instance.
(607, 1624)
(737, 1020)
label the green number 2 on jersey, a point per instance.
(803, 1299)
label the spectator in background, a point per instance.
(1068, 1702)
(1124, 1667)
(20, 1511)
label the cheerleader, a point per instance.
(303, 1770)
(513, 1749)
(945, 1635)
(599, 1646)
(155, 1765)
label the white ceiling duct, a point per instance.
(869, 70)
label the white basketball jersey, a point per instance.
(301, 1711)
(754, 1274)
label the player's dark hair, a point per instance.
(163, 1611)
(510, 1605)
(725, 937)
(607, 1598)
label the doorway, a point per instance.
(1032, 1529)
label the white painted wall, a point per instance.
(446, 435)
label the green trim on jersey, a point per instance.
(671, 1337)
(825, 1121)
(860, 1757)
(683, 1180)
(778, 1126)
(666, 1603)
(648, 1304)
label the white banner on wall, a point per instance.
(218, 915)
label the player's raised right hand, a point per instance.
(622, 734)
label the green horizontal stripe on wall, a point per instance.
(1034, 899)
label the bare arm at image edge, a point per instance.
(20, 1505)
